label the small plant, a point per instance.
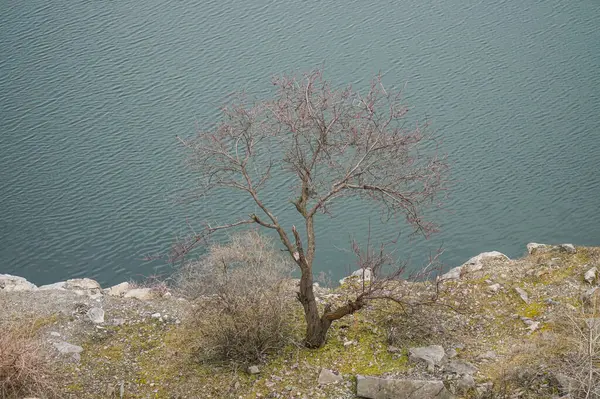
(156, 283)
(23, 367)
(580, 370)
(244, 304)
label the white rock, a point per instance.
(66, 348)
(140, 293)
(9, 282)
(328, 377)
(474, 264)
(489, 355)
(365, 274)
(118, 290)
(383, 388)
(465, 383)
(155, 316)
(55, 286)
(82, 284)
(96, 315)
(460, 367)
(534, 247)
(494, 287)
(432, 355)
(253, 370)
(591, 275)
(523, 294)
(569, 248)
(55, 334)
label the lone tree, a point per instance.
(335, 143)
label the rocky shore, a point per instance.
(499, 326)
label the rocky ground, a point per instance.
(499, 328)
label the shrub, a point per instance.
(23, 366)
(244, 305)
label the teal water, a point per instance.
(94, 92)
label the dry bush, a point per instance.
(580, 369)
(159, 285)
(23, 366)
(565, 358)
(244, 304)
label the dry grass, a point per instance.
(563, 359)
(581, 367)
(244, 310)
(24, 369)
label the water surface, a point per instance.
(94, 92)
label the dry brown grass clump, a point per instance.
(23, 365)
(244, 307)
(563, 359)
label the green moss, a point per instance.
(532, 310)
(42, 322)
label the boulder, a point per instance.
(360, 275)
(381, 388)
(568, 248)
(9, 282)
(142, 294)
(474, 264)
(253, 370)
(60, 286)
(84, 284)
(328, 377)
(494, 287)
(432, 355)
(535, 248)
(591, 297)
(118, 290)
(460, 367)
(591, 275)
(96, 315)
(523, 294)
(465, 383)
(65, 348)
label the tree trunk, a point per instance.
(316, 333)
(316, 327)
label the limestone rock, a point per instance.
(461, 367)
(96, 315)
(142, 294)
(489, 355)
(432, 355)
(591, 275)
(534, 247)
(118, 290)
(474, 264)
(9, 282)
(328, 377)
(568, 248)
(360, 275)
(591, 297)
(465, 383)
(60, 286)
(76, 284)
(253, 370)
(381, 388)
(65, 348)
(523, 294)
(494, 287)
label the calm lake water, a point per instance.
(94, 92)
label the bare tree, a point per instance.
(335, 143)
